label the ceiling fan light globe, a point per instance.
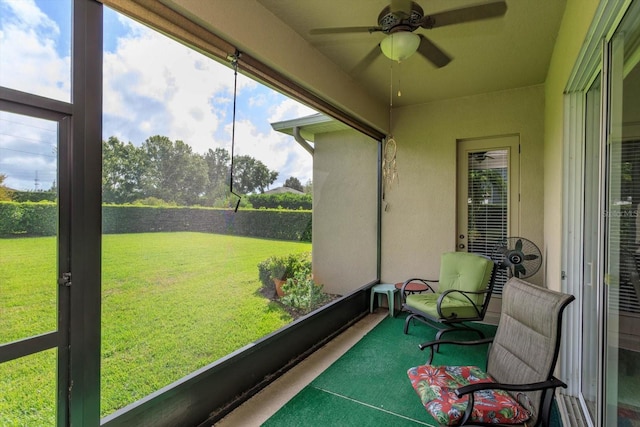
(399, 46)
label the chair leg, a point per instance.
(545, 410)
(406, 323)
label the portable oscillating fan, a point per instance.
(519, 256)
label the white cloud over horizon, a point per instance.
(152, 86)
(30, 61)
(190, 98)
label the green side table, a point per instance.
(387, 289)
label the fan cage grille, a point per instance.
(495, 249)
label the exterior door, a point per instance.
(488, 198)
(34, 296)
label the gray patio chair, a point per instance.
(517, 385)
(462, 294)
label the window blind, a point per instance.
(626, 212)
(487, 204)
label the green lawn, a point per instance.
(172, 303)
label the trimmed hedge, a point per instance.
(34, 219)
(281, 201)
(271, 224)
(33, 196)
(40, 219)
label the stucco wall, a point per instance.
(344, 210)
(420, 222)
(575, 23)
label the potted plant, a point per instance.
(275, 270)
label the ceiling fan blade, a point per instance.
(340, 30)
(433, 53)
(366, 61)
(401, 8)
(465, 14)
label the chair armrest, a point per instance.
(464, 294)
(550, 384)
(543, 385)
(431, 344)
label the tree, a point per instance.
(174, 173)
(308, 187)
(5, 192)
(293, 182)
(123, 167)
(218, 162)
(170, 171)
(250, 175)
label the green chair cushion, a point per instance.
(426, 303)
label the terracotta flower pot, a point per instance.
(279, 284)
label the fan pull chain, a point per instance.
(399, 92)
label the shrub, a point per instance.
(282, 268)
(302, 293)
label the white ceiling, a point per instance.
(491, 55)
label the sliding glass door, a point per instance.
(622, 240)
(591, 247)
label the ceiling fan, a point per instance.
(401, 18)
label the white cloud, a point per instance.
(29, 61)
(289, 109)
(27, 152)
(193, 95)
(26, 11)
(155, 86)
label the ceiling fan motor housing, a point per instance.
(391, 21)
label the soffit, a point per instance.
(497, 54)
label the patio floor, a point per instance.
(355, 381)
(263, 405)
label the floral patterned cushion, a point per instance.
(436, 385)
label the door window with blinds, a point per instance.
(487, 190)
(626, 210)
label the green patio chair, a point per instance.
(462, 294)
(517, 385)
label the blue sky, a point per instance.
(152, 85)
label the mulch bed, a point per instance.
(270, 293)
